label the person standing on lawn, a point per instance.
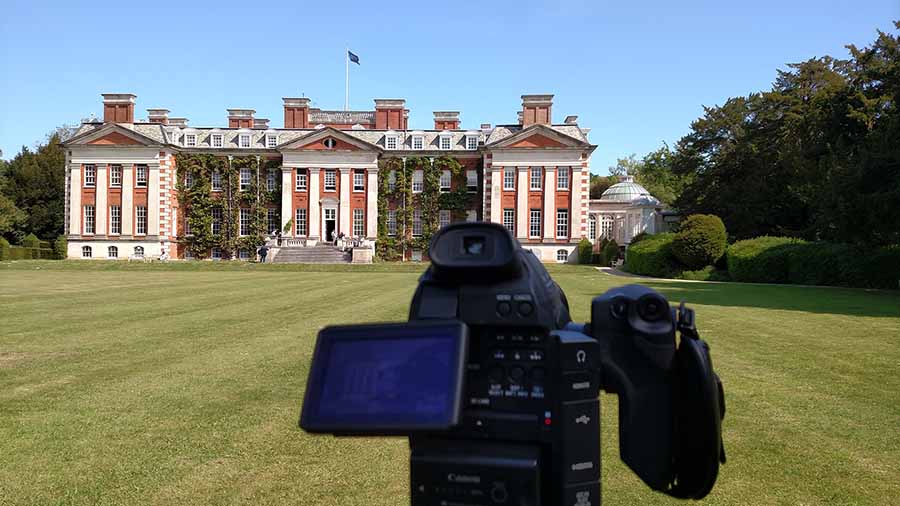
(263, 251)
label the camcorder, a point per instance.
(498, 390)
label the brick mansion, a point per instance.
(142, 188)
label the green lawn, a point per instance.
(181, 384)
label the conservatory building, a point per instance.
(623, 211)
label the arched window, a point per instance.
(562, 256)
(86, 252)
(139, 251)
(592, 233)
(113, 252)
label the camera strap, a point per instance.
(699, 410)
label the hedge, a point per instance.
(4, 249)
(787, 260)
(584, 251)
(700, 241)
(23, 253)
(652, 257)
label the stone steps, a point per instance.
(319, 254)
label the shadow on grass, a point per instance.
(826, 300)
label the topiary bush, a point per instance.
(761, 260)
(4, 249)
(61, 247)
(653, 257)
(700, 241)
(610, 252)
(584, 251)
(31, 241)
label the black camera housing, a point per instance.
(528, 431)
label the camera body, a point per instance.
(523, 423)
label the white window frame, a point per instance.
(471, 215)
(534, 223)
(90, 176)
(332, 175)
(392, 222)
(562, 256)
(243, 254)
(392, 180)
(300, 180)
(300, 222)
(271, 180)
(190, 140)
(272, 224)
(115, 220)
(391, 142)
(241, 141)
(446, 178)
(216, 140)
(471, 142)
(448, 139)
(509, 219)
(592, 227)
(138, 220)
(245, 179)
(90, 220)
(244, 222)
(535, 178)
(139, 252)
(187, 227)
(141, 176)
(189, 180)
(359, 181)
(359, 223)
(443, 217)
(188, 255)
(86, 252)
(562, 178)
(509, 179)
(417, 226)
(216, 223)
(216, 254)
(416, 255)
(418, 181)
(271, 141)
(216, 181)
(112, 252)
(471, 181)
(418, 142)
(562, 223)
(115, 176)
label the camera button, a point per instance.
(526, 308)
(497, 374)
(504, 308)
(516, 374)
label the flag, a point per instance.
(353, 57)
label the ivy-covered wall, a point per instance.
(430, 201)
(198, 201)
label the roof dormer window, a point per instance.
(243, 141)
(446, 141)
(190, 140)
(390, 141)
(216, 140)
(471, 141)
(173, 136)
(271, 140)
(418, 142)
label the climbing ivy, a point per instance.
(198, 201)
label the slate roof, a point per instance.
(318, 116)
(501, 132)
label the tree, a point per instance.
(34, 184)
(599, 184)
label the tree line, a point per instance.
(816, 157)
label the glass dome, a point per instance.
(628, 192)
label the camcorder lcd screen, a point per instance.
(386, 379)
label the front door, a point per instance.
(330, 222)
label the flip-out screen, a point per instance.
(386, 379)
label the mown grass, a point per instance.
(179, 384)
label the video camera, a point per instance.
(497, 389)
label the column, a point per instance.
(522, 214)
(153, 202)
(313, 220)
(75, 200)
(372, 203)
(287, 200)
(549, 204)
(101, 206)
(127, 201)
(497, 195)
(578, 211)
(344, 212)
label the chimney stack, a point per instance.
(519, 117)
(536, 109)
(240, 118)
(118, 107)
(260, 123)
(296, 112)
(390, 113)
(446, 120)
(160, 116)
(179, 122)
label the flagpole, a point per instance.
(347, 88)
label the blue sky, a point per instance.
(636, 73)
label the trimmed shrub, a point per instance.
(20, 253)
(61, 247)
(610, 252)
(640, 237)
(708, 273)
(652, 257)
(584, 251)
(31, 241)
(4, 249)
(700, 241)
(761, 260)
(821, 263)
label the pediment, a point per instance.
(539, 136)
(328, 139)
(111, 134)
